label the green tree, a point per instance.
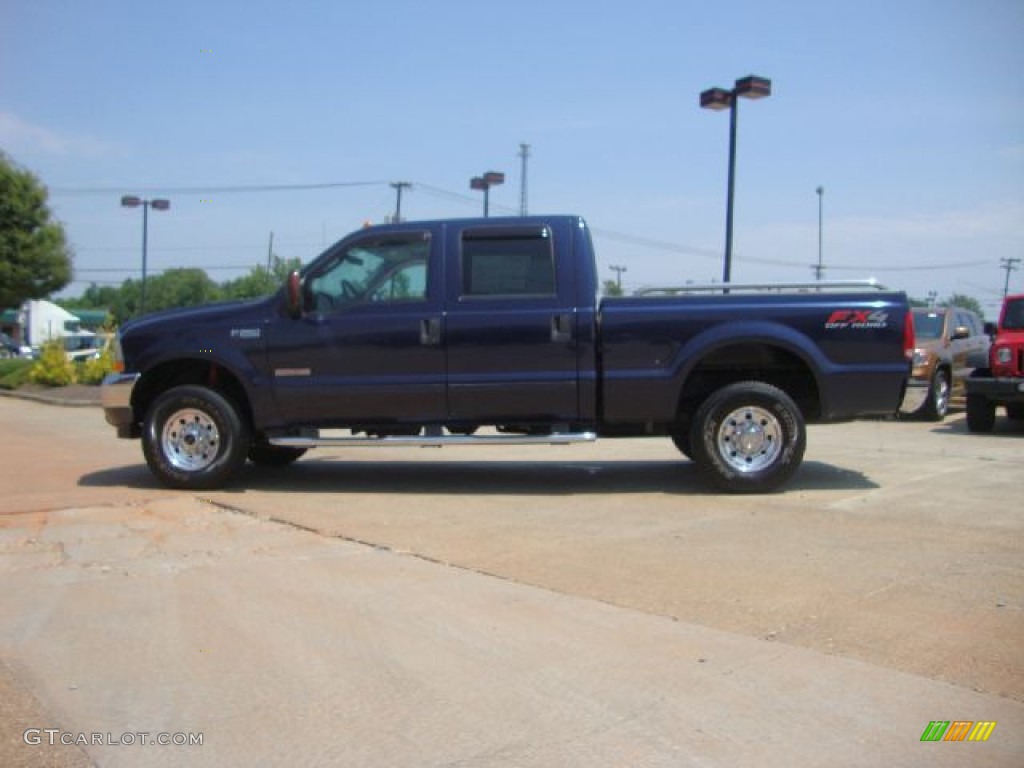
(35, 259)
(966, 302)
(611, 288)
(183, 287)
(260, 281)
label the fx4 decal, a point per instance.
(841, 319)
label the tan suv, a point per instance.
(949, 341)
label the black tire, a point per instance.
(936, 405)
(748, 437)
(681, 440)
(193, 438)
(266, 455)
(981, 414)
(1015, 411)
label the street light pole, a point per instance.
(484, 184)
(132, 201)
(820, 269)
(751, 87)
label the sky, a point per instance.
(909, 114)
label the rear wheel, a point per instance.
(193, 438)
(748, 437)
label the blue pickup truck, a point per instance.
(491, 332)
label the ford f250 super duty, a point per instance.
(491, 332)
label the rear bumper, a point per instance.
(999, 390)
(116, 397)
(915, 395)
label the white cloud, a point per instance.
(20, 137)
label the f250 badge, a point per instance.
(842, 319)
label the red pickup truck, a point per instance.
(1002, 382)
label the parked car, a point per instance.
(948, 340)
(1001, 381)
(8, 347)
(80, 347)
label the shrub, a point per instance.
(53, 369)
(93, 371)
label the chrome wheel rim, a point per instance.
(749, 439)
(941, 394)
(190, 440)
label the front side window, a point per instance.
(1013, 317)
(382, 269)
(508, 262)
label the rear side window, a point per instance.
(507, 261)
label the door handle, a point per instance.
(561, 328)
(430, 332)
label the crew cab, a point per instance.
(491, 332)
(1001, 382)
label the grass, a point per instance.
(14, 372)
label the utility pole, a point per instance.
(1008, 265)
(398, 186)
(618, 270)
(524, 155)
(270, 251)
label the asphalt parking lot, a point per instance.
(585, 605)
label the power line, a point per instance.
(220, 190)
(635, 240)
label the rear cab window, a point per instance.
(507, 262)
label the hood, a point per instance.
(1013, 337)
(205, 314)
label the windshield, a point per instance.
(1013, 315)
(928, 325)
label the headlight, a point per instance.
(920, 358)
(1004, 355)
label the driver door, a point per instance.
(368, 346)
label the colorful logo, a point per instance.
(958, 730)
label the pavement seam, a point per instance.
(432, 560)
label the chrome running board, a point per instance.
(434, 441)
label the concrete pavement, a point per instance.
(427, 610)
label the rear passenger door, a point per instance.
(510, 324)
(964, 350)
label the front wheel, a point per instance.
(936, 405)
(981, 414)
(193, 438)
(748, 437)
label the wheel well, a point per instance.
(752, 362)
(176, 373)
